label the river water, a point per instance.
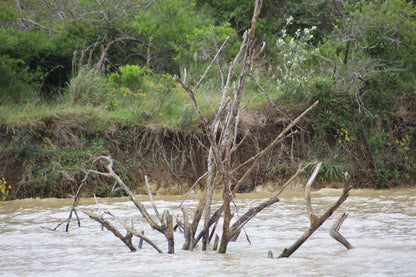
(381, 227)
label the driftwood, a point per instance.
(334, 232)
(166, 222)
(316, 222)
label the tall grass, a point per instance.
(88, 87)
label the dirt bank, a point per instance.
(51, 158)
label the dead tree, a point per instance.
(314, 220)
(166, 223)
(221, 132)
(254, 162)
(225, 127)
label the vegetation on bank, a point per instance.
(84, 78)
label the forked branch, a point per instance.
(317, 222)
(130, 232)
(312, 216)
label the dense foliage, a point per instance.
(356, 57)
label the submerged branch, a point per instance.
(107, 224)
(243, 220)
(316, 223)
(334, 232)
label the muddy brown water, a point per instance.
(381, 227)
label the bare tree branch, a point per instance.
(317, 222)
(334, 231)
(107, 224)
(271, 145)
(151, 199)
(109, 45)
(312, 217)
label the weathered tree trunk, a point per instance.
(225, 238)
(187, 231)
(224, 125)
(169, 233)
(215, 246)
(208, 196)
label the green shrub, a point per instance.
(293, 71)
(149, 96)
(129, 76)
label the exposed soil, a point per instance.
(51, 159)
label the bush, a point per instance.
(149, 96)
(359, 85)
(293, 73)
(129, 76)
